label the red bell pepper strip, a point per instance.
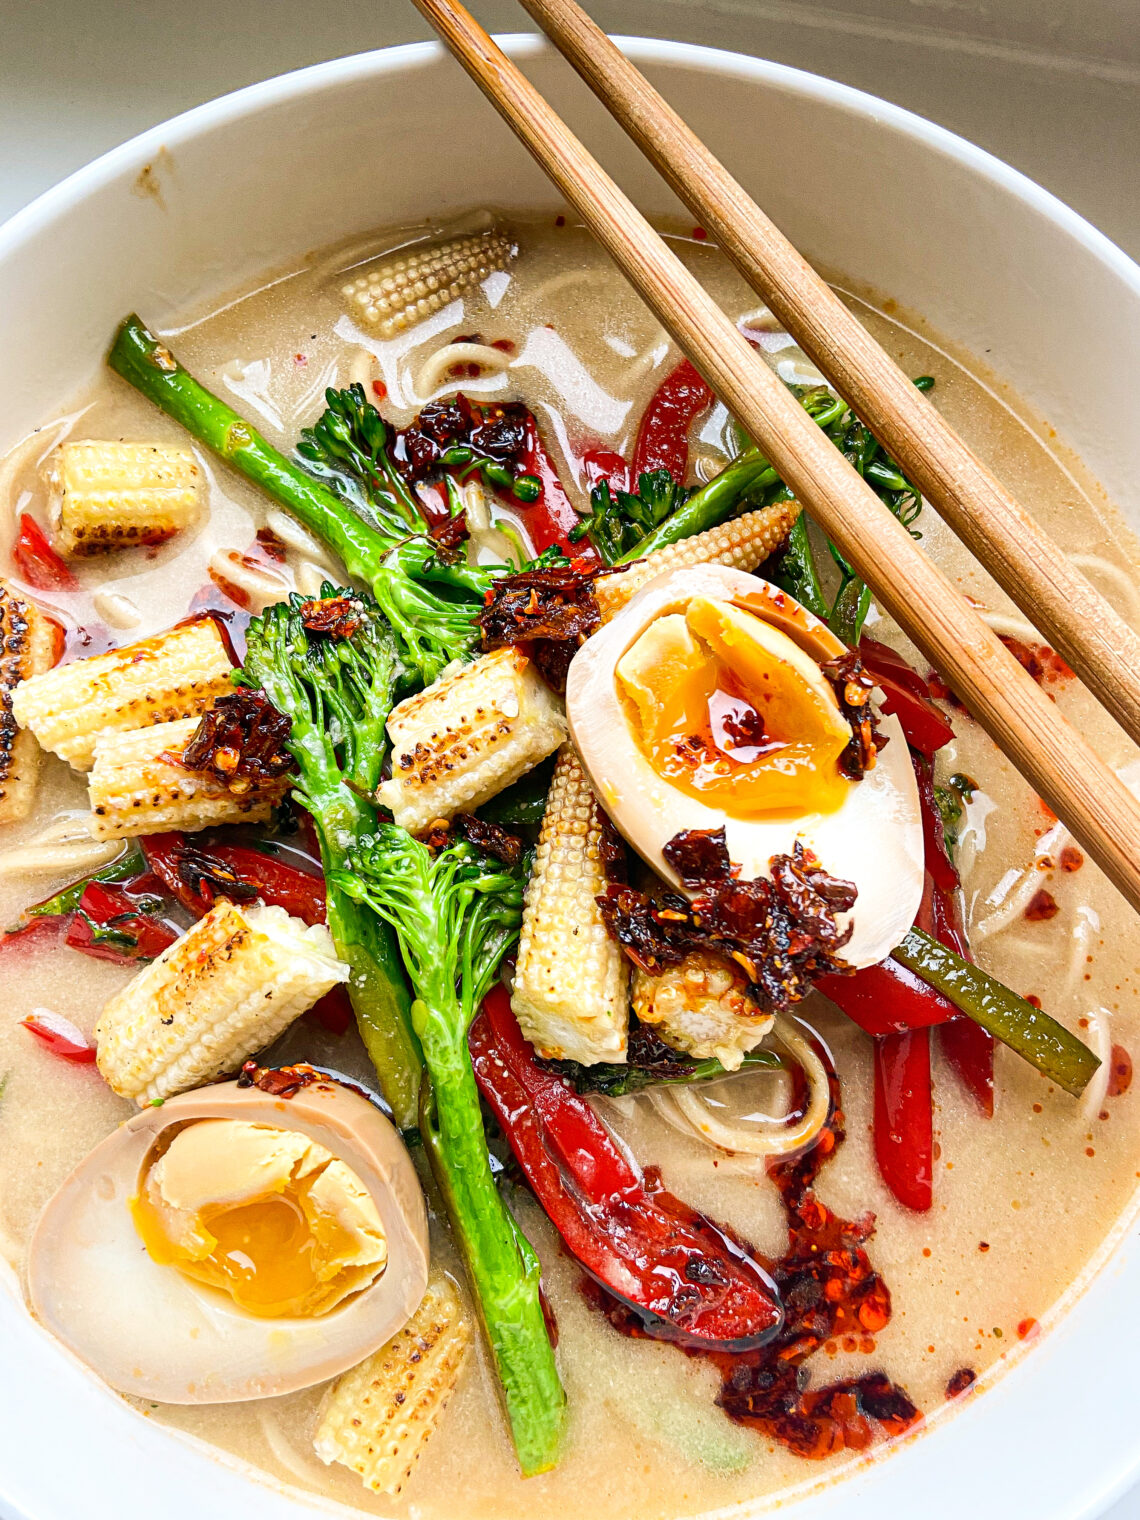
(549, 518)
(663, 437)
(969, 1049)
(888, 999)
(598, 464)
(176, 861)
(684, 1275)
(60, 1035)
(332, 1012)
(37, 561)
(905, 695)
(904, 1124)
(109, 925)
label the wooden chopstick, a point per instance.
(1060, 601)
(1080, 788)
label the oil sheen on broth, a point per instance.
(1023, 1203)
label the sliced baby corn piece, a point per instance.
(27, 648)
(179, 674)
(378, 1417)
(702, 1007)
(743, 543)
(136, 786)
(403, 290)
(110, 495)
(467, 736)
(225, 990)
(571, 979)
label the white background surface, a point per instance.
(1052, 86)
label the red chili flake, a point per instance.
(240, 741)
(700, 234)
(504, 345)
(560, 221)
(267, 546)
(279, 1081)
(1043, 663)
(299, 359)
(961, 1382)
(1042, 907)
(1033, 1000)
(1089, 1151)
(552, 611)
(490, 838)
(379, 390)
(1026, 1327)
(1071, 859)
(983, 1245)
(853, 687)
(1119, 1072)
(336, 617)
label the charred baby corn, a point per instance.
(110, 495)
(27, 648)
(467, 736)
(570, 992)
(378, 1417)
(136, 786)
(176, 675)
(222, 992)
(743, 543)
(411, 286)
(702, 1007)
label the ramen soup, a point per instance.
(522, 1166)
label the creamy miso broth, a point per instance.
(1024, 1202)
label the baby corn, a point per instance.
(467, 736)
(179, 674)
(114, 495)
(379, 1416)
(406, 289)
(27, 648)
(136, 786)
(743, 543)
(702, 1007)
(570, 981)
(217, 996)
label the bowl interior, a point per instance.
(194, 209)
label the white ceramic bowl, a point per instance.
(991, 260)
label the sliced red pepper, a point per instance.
(888, 999)
(549, 518)
(109, 925)
(904, 1117)
(663, 437)
(272, 879)
(60, 1035)
(37, 561)
(905, 696)
(600, 464)
(333, 1012)
(682, 1273)
(969, 1049)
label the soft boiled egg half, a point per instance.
(232, 1244)
(703, 704)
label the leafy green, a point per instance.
(615, 1081)
(455, 915)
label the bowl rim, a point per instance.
(1080, 1496)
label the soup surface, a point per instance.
(1024, 1202)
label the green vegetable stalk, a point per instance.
(1034, 1035)
(455, 914)
(358, 505)
(337, 693)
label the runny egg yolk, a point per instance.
(264, 1214)
(730, 710)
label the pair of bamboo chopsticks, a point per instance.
(1065, 771)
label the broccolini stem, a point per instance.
(502, 1264)
(710, 505)
(148, 365)
(1034, 1035)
